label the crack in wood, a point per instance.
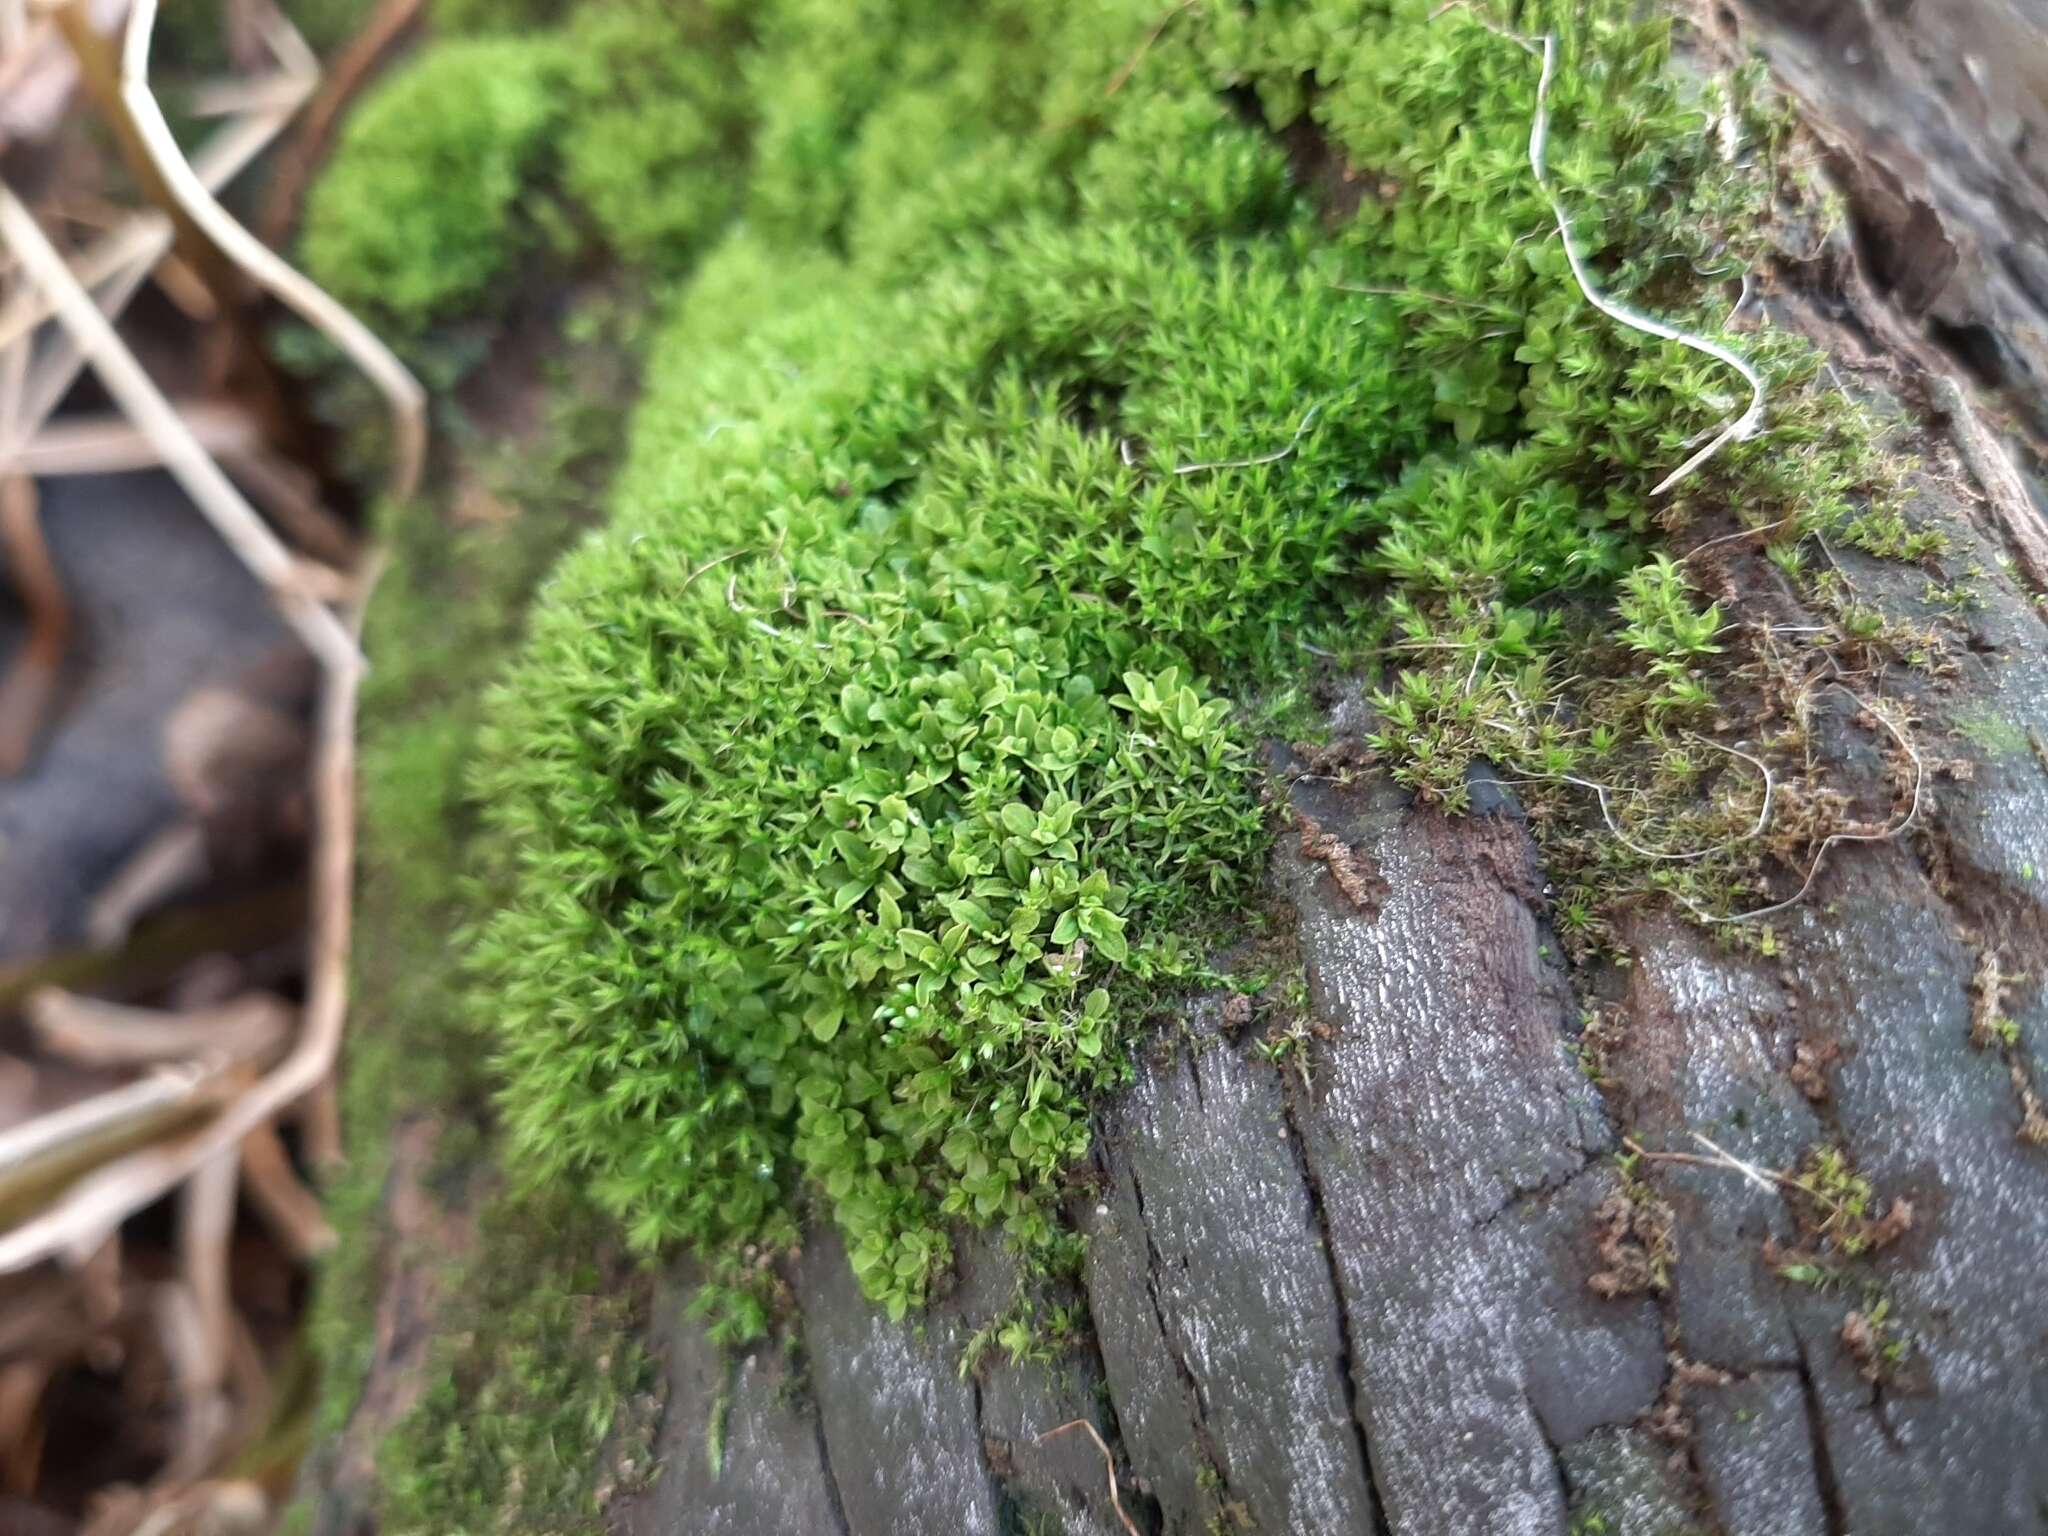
(832, 1492)
(1191, 1384)
(1832, 1509)
(1354, 1390)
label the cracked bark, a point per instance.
(1219, 1328)
(837, 1504)
(1059, 1482)
(1197, 1407)
(1446, 1089)
(1321, 1216)
(1823, 1463)
(901, 1432)
(1536, 1193)
(776, 1469)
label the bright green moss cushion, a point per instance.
(1061, 371)
(418, 214)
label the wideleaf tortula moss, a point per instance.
(1044, 384)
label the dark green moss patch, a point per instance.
(510, 144)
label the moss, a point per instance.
(419, 212)
(1991, 732)
(1035, 375)
(482, 18)
(530, 1396)
(653, 128)
(527, 134)
(875, 757)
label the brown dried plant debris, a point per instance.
(1987, 1001)
(1354, 873)
(1602, 1033)
(1669, 1419)
(1993, 1029)
(1834, 1210)
(29, 689)
(1633, 1235)
(1697, 1373)
(1873, 1341)
(1837, 1206)
(1338, 760)
(1811, 1062)
(2033, 1116)
(249, 1027)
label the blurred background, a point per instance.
(173, 535)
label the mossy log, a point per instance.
(1363, 1301)
(1368, 1294)
(1411, 1270)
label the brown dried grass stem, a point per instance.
(29, 687)
(1108, 1461)
(402, 392)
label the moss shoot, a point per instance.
(1040, 380)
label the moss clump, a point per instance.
(621, 124)
(484, 18)
(870, 767)
(655, 123)
(418, 214)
